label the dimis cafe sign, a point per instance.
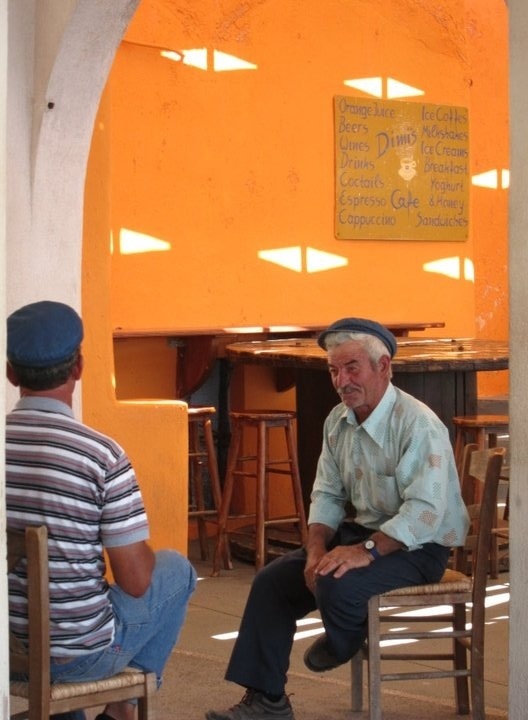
(401, 170)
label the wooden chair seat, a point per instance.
(43, 697)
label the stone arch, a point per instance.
(66, 117)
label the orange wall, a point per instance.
(153, 432)
(221, 165)
(486, 27)
(217, 166)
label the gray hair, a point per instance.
(374, 347)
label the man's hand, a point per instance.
(312, 562)
(319, 537)
(348, 557)
(343, 558)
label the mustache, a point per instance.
(347, 388)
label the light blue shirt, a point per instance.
(397, 469)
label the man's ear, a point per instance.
(384, 364)
(11, 375)
(78, 368)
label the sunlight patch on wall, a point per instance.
(318, 261)
(371, 86)
(492, 179)
(132, 242)
(195, 58)
(223, 61)
(374, 86)
(201, 58)
(292, 259)
(397, 89)
(172, 55)
(453, 267)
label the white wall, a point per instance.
(518, 269)
(58, 57)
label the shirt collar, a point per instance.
(376, 422)
(46, 404)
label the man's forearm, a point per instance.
(319, 537)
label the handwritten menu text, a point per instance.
(402, 170)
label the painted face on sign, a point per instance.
(407, 168)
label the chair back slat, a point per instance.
(489, 474)
(32, 544)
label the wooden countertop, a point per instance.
(413, 355)
(398, 328)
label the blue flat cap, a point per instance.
(43, 334)
(360, 325)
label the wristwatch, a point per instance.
(370, 547)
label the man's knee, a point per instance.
(174, 570)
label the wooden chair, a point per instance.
(43, 698)
(462, 593)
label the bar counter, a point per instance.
(199, 348)
(442, 372)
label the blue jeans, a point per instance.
(146, 628)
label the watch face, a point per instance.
(369, 544)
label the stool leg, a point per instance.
(221, 539)
(481, 438)
(296, 480)
(196, 469)
(459, 449)
(215, 482)
(262, 498)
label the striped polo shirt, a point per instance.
(80, 484)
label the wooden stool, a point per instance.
(202, 454)
(262, 421)
(480, 429)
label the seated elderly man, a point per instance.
(390, 456)
(80, 484)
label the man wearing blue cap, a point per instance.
(80, 484)
(390, 457)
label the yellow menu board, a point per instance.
(402, 170)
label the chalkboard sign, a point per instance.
(402, 170)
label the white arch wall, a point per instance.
(59, 52)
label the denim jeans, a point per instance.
(146, 628)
